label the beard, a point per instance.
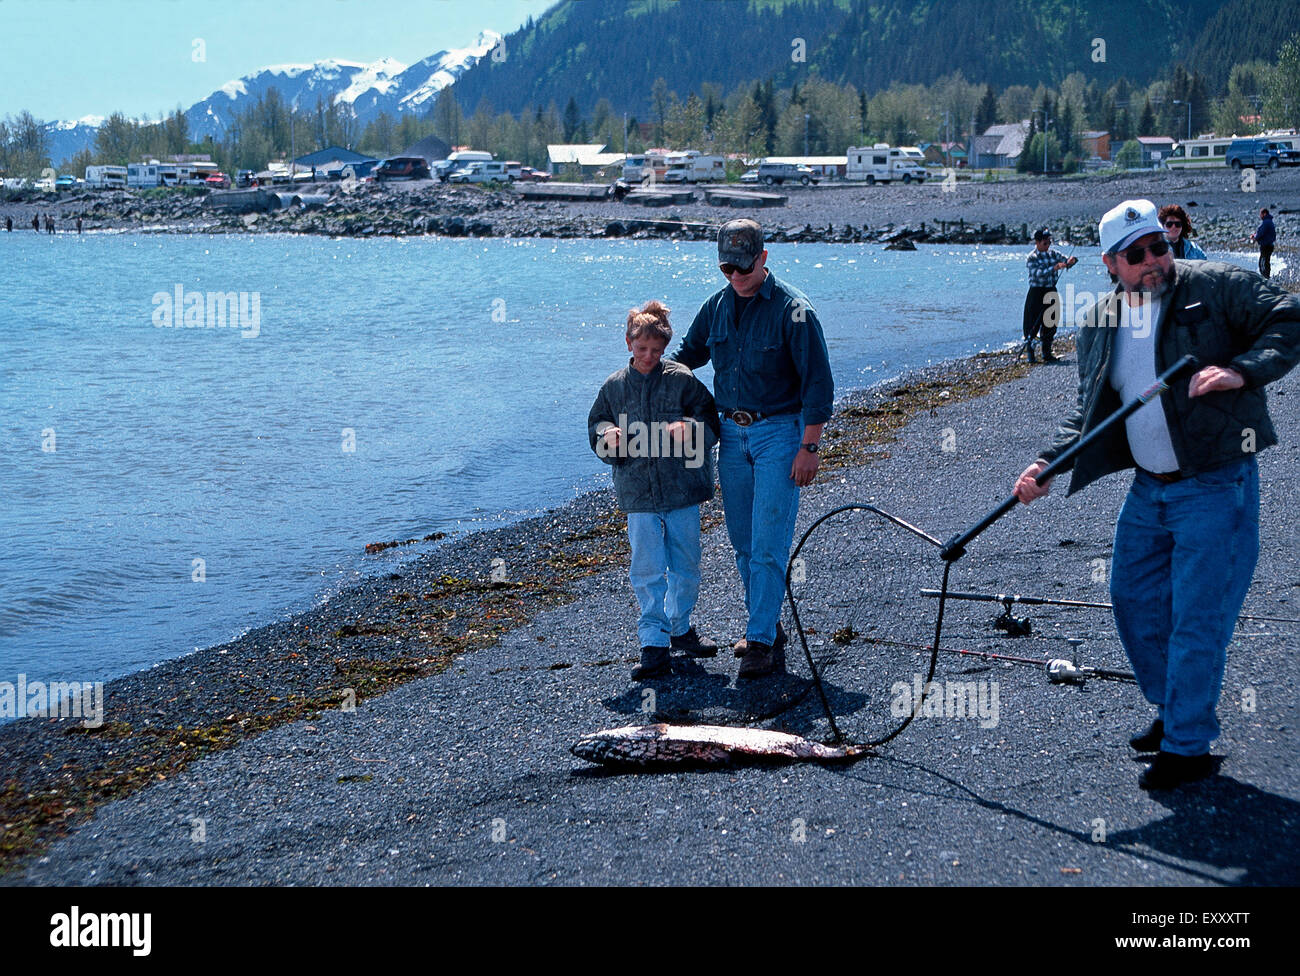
(1155, 283)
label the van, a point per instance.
(480, 172)
(403, 168)
(1261, 152)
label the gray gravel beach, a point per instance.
(972, 211)
(464, 776)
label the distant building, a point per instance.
(581, 160)
(330, 158)
(1155, 149)
(1096, 145)
(1000, 146)
(944, 153)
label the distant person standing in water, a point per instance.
(49, 224)
(78, 225)
(1265, 236)
(1178, 228)
(9, 225)
(36, 223)
(1045, 266)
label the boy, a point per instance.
(656, 424)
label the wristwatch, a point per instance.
(810, 448)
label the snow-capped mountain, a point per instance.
(385, 85)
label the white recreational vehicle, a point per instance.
(693, 166)
(152, 173)
(882, 164)
(1210, 152)
(106, 177)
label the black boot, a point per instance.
(655, 661)
(1149, 741)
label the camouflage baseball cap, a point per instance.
(740, 242)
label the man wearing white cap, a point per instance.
(1187, 538)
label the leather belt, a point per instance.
(743, 418)
(1169, 477)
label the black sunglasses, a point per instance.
(1173, 222)
(731, 269)
(1136, 254)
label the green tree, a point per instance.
(1282, 102)
(447, 118)
(1129, 155)
(115, 141)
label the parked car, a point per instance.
(403, 168)
(480, 172)
(245, 177)
(778, 173)
(363, 171)
(65, 182)
(749, 176)
(529, 175)
(218, 181)
(1260, 152)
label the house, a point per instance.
(1000, 146)
(330, 159)
(944, 153)
(580, 161)
(1096, 145)
(1155, 149)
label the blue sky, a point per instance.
(64, 59)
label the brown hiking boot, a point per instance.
(655, 661)
(741, 645)
(759, 660)
(690, 643)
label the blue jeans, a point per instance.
(664, 543)
(761, 501)
(1183, 560)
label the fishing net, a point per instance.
(855, 583)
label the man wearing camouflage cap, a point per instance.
(772, 383)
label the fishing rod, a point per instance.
(955, 547)
(1041, 601)
(1059, 670)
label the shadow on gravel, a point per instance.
(1233, 826)
(1236, 827)
(695, 695)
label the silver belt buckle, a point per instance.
(742, 418)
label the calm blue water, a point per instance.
(463, 369)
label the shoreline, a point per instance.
(972, 212)
(384, 631)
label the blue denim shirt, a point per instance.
(773, 361)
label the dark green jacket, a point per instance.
(652, 474)
(1224, 316)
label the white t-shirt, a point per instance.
(1132, 372)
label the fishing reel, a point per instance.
(1013, 626)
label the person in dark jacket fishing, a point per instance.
(1265, 236)
(656, 424)
(1187, 538)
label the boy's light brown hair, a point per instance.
(650, 320)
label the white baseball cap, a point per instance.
(1126, 223)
